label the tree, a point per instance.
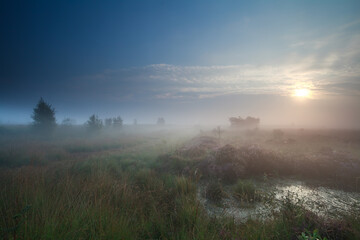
(117, 122)
(44, 116)
(94, 123)
(160, 121)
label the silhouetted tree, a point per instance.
(117, 121)
(44, 116)
(94, 123)
(160, 121)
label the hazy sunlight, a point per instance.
(302, 93)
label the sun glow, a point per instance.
(302, 93)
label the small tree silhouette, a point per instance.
(117, 122)
(44, 116)
(160, 121)
(94, 123)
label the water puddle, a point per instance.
(320, 200)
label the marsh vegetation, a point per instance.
(157, 182)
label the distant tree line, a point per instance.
(95, 123)
(247, 123)
(113, 122)
(45, 121)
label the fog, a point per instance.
(286, 111)
(200, 119)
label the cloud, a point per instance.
(327, 65)
(163, 81)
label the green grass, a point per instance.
(94, 204)
(120, 188)
(245, 190)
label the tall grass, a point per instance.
(97, 204)
(86, 200)
(245, 190)
(125, 191)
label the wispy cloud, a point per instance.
(164, 81)
(327, 65)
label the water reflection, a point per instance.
(320, 200)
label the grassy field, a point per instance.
(143, 183)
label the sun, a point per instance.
(302, 93)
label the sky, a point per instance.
(191, 62)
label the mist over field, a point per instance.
(180, 119)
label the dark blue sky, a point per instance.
(189, 61)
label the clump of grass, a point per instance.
(214, 192)
(308, 235)
(185, 186)
(245, 190)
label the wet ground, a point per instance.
(320, 200)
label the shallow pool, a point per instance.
(320, 200)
